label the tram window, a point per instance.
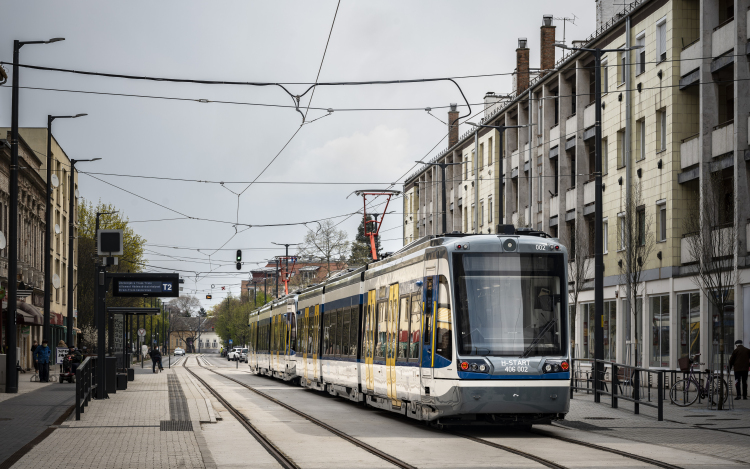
(443, 321)
(353, 336)
(416, 327)
(428, 312)
(403, 329)
(380, 335)
(326, 326)
(292, 331)
(316, 330)
(302, 333)
(345, 331)
(333, 333)
(339, 331)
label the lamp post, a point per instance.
(500, 131)
(442, 178)
(11, 380)
(598, 242)
(71, 243)
(48, 231)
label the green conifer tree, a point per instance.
(361, 252)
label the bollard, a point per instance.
(660, 394)
(614, 385)
(636, 390)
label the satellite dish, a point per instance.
(3, 243)
(56, 281)
(57, 228)
(55, 180)
(76, 193)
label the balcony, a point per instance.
(554, 205)
(589, 116)
(589, 194)
(554, 136)
(514, 160)
(722, 139)
(690, 58)
(722, 39)
(571, 126)
(690, 153)
(571, 200)
(685, 256)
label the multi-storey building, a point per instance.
(36, 140)
(675, 114)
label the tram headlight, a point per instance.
(547, 367)
(482, 368)
(474, 367)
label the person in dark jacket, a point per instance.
(740, 362)
(42, 356)
(155, 355)
(36, 365)
(76, 358)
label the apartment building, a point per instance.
(36, 140)
(674, 117)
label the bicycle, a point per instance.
(685, 392)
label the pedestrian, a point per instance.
(740, 361)
(155, 355)
(41, 358)
(61, 345)
(33, 348)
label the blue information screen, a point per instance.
(148, 287)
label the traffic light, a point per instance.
(239, 259)
(208, 297)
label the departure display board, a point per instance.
(146, 285)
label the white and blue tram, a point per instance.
(455, 330)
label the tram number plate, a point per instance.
(515, 366)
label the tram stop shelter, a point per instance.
(121, 326)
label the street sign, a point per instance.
(141, 332)
(146, 285)
(230, 341)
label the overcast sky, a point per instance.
(268, 42)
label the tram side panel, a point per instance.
(340, 338)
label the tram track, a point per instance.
(542, 461)
(285, 461)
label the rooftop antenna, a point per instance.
(566, 20)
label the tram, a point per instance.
(454, 330)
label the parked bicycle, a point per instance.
(686, 391)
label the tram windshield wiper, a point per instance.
(544, 330)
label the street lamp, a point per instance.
(11, 359)
(598, 242)
(501, 131)
(48, 232)
(442, 178)
(71, 243)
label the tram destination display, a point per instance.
(146, 285)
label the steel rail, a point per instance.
(653, 462)
(284, 460)
(385, 456)
(542, 461)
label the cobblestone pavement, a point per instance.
(25, 415)
(124, 432)
(697, 429)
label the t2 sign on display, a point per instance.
(146, 285)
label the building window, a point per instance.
(609, 329)
(481, 156)
(641, 129)
(689, 309)
(640, 40)
(620, 149)
(716, 329)
(605, 77)
(623, 68)
(473, 161)
(662, 221)
(661, 40)
(489, 152)
(489, 209)
(623, 230)
(605, 236)
(481, 213)
(659, 331)
(466, 223)
(641, 225)
(662, 129)
(605, 157)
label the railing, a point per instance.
(634, 384)
(86, 382)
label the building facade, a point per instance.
(672, 122)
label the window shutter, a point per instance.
(662, 41)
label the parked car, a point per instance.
(234, 354)
(179, 351)
(243, 355)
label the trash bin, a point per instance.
(110, 374)
(122, 381)
(131, 374)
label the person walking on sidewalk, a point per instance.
(33, 348)
(155, 355)
(42, 356)
(740, 360)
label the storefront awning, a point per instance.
(29, 314)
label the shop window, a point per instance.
(659, 315)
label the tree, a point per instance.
(231, 316)
(637, 244)
(185, 306)
(361, 250)
(327, 244)
(712, 239)
(131, 261)
(579, 263)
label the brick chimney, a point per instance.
(548, 44)
(522, 66)
(453, 125)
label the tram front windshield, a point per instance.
(509, 304)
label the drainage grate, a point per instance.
(600, 418)
(581, 425)
(176, 426)
(178, 407)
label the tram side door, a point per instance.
(391, 335)
(369, 341)
(307, 338)
(316, 342)
(429, 289)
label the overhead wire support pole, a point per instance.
(373, 233)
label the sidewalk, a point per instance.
(696, 429)
(155, 423)
(26, 416)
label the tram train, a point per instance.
(453, 330)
